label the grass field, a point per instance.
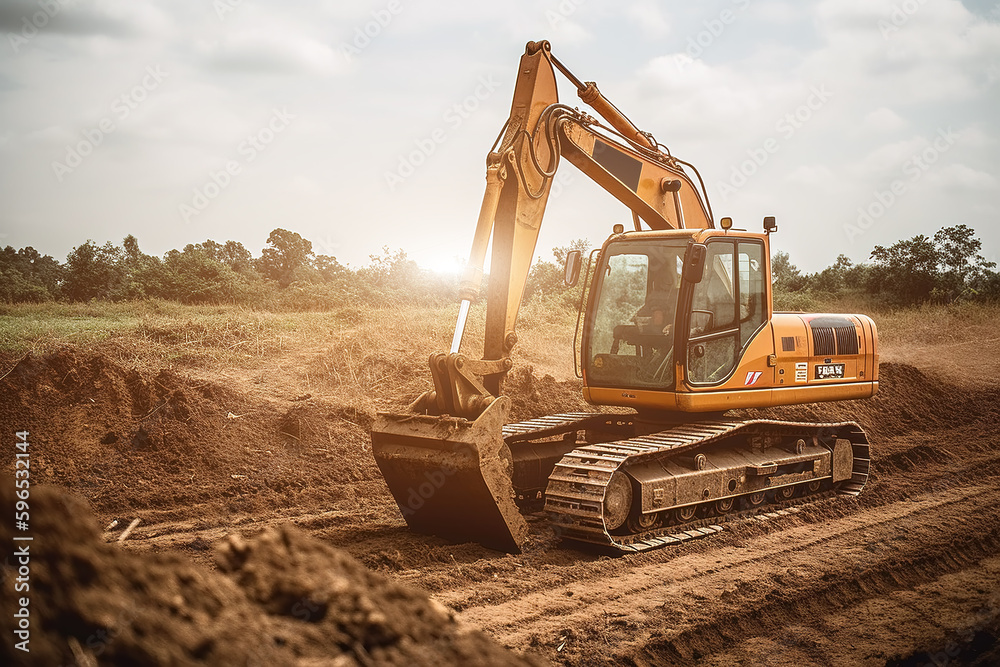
(159, 332)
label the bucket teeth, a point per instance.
(451, 477)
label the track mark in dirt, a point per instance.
(647, 598)
(953, 618)
(881, 581)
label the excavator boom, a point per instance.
(519, 171)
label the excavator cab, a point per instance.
(645, 310)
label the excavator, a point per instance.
(676, 329)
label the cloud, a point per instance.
(268, 51)
(781, 13)
(883, 120)
(649, 17)
(935, 51)
(723, 103)
(888, 158)
(109, 18)
(962, 177)
(565, 31)
(812, 175)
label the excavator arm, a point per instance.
(445, 460)
(626, 162)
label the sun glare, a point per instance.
(443, 265)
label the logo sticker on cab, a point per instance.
(826, 371)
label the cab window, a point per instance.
(630, 341)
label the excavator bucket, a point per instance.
(451, 476)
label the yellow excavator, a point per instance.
(676, 326)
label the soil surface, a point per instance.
(908, 573)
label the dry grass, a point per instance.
(940, 325)
(546, 334)
(960, 342)
(363, 359)
(380, 361)
(166, 332)
(372, 357)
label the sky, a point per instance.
(365, 125)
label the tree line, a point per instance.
(287, 274)
(945, 268)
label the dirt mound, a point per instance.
(284, 599)
(536, 397)
(133, 441)
(908, 400)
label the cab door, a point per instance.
(727, 310)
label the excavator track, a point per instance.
(578, 486)
(452, 478)
(548, 425)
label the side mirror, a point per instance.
(573, 262)
(694, 262)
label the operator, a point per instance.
(657, 315)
